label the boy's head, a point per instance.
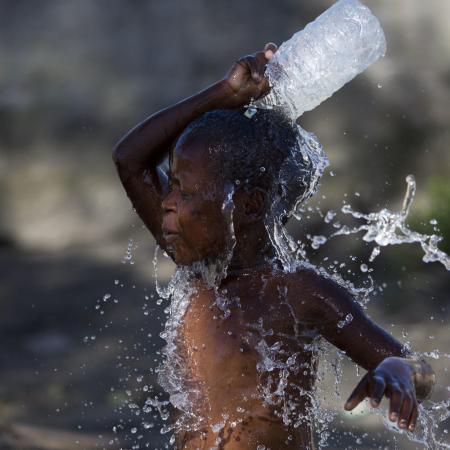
(224, 153)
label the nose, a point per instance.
(169, 203)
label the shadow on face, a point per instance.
(194, 225)
(203, 209)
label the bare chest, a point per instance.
(231, 336)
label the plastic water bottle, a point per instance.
(318, 60)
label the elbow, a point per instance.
(115, 157)
(118, 154)
(124, 157)
(125, 161)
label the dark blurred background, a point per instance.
(78, 319)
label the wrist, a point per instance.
(217, 96)
(227, 96)
(423, 377)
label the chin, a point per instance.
(185, 258)
(184, 261)
(194, 261)
(185, 255)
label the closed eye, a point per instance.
(172, 182)
(185, 195)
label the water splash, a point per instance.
(389, 228)
(129, 255)
(298, 180)
(278, 365)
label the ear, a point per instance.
(251, 206)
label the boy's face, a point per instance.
(194, 226)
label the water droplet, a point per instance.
(363, 267)
(375, 253)
(329, 216)
(317, 241)
(346, 321)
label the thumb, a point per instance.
(358, 395)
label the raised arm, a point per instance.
(392, 371)
(139, 153)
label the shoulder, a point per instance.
(319, 297)
(310, 280)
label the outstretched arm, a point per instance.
(392, 371)
(138, 154)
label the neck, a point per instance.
(253, 250)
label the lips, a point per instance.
(169, 228)
(169, 234)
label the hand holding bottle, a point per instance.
(245, 80)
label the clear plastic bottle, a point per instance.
(318, 60)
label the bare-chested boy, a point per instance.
(212, 145)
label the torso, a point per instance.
(239, 345)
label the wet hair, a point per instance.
(254, 152)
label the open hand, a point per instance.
(393, 378)
(245, 80)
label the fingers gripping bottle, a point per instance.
(318, 60)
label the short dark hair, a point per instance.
(255, 152)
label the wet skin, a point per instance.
(185, 216)
(220, 352)
(292, 309)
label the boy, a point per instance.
(239, 399)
